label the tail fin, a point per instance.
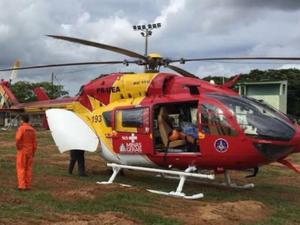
(7, 98)
(231, 82)
(40, 94)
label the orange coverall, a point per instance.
(26, 147)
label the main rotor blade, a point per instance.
(70, 64)
(182, 71)
(183, 60)
(102, 46)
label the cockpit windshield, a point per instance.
(256, 118)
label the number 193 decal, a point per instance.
(97, 119)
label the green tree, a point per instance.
(23, 90)
(53, 91)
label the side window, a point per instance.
(132, 120)
(107, 118)
(213, 121)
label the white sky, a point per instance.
(190, 28)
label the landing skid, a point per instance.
(227, 182)
(180, 195)
(182, 176)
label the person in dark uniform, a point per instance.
(77, 155)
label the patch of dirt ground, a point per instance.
(222, 213)
(89, 193)
(106, 218)
(192, 212)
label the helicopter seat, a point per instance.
(165, 130)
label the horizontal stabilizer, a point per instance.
(70, 132)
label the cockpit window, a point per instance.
(270, 108)
(257, 119)
(213, 121)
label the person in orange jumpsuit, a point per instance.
(26, 147)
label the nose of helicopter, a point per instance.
(272, 150)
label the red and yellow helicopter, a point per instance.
(171, 124)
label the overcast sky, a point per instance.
(190, 28)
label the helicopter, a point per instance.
(171, 124)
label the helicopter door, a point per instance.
(131, 131)
(218, 132)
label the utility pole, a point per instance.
(52, 79)
(146, 31)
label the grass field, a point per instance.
(59, 198)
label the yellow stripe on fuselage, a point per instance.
(94, 103)
(133, 88)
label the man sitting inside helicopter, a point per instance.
(178, 134)
(175, 137)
